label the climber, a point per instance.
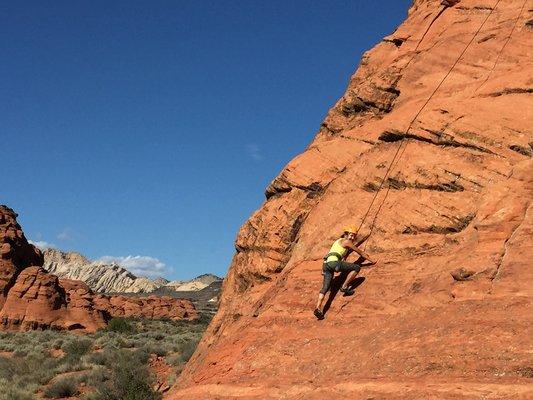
(335, 261)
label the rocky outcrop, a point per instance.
(446, 311)
(195, 284)
(15, 252)
(32, 298)
(99, 276)
(147, 307)
(112, 278)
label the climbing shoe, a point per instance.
(319, 314)
(347, 291)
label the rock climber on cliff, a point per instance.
(335, 261)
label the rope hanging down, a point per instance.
(401, 148)
(411, 124)
(503, 47)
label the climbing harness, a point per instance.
(333, 254)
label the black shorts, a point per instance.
(329, 268)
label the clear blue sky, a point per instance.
(152, 128)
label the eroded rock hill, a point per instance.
(446, 313)
(32, 298)
(99, 276)
(104, 277)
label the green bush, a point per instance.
(8, 392)
(157, 348)
(120, 325)
(97, 377)
(188, 349)
(98, 358)
(129, 380)
(57, 344)
(20, 353)
(64, 387)
(174, 360)
(77, 348)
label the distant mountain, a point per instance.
(112, 278)
(197, 283)
(205, 300)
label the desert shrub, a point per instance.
(8, 392)
(174, 360)
(65, 387)
(157, 348)
(19, 353)
(156, 335)
(39, 368)
(77, 348)
(129, 380)
(97, 377)
(7, 346)
(204, 319)
(124, 343)
(8, 368)
(188, 349)
(141, 356)
(98, 358)
(120, 325)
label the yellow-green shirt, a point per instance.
(337, 248)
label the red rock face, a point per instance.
(446, 312)
(31, 298)
(15, 251)
(147, 307)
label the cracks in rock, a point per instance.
(523, 150)
(475, 8)
(395, 41)
(508, 91)
(359, 105)
(29, 282)
(459, 176)
(260, 249)
(460, 224)
(504, 250)
(398, 184)
(485, 38)
(281, 185)
(443, 139)
(429, 27)
(324, 127)
(295, 228)
(367, 141)
(248, 279)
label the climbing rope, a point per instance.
(414, 119)
(503, 47)
(401, 147)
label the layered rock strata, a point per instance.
(446, 312)
(112, 278)
(99, 276)
(32, 298)
(198, 283)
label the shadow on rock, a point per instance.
(337, 284)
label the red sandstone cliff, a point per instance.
(31, 298)
(446, 313)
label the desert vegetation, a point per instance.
(116, 363)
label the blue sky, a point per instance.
(148, 131)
